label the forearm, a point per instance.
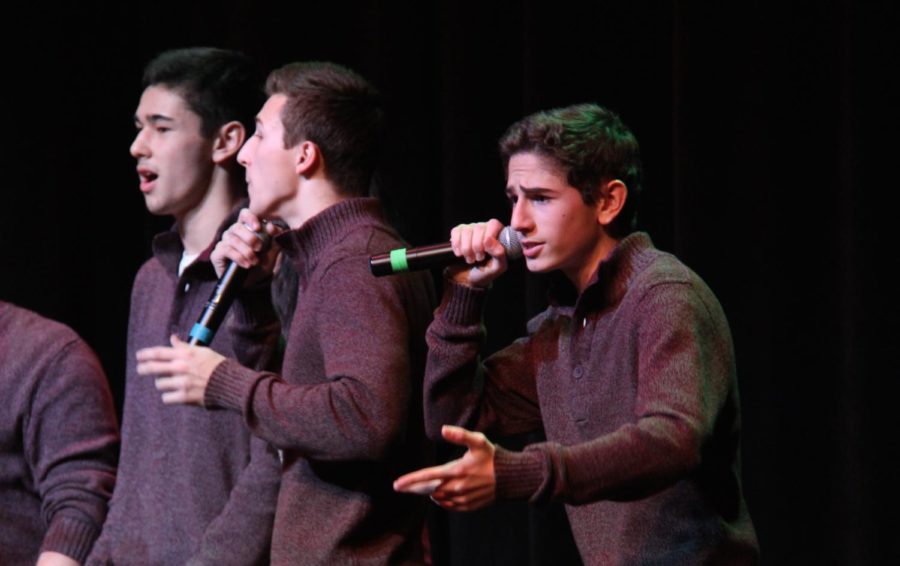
(72, 441)
(497, 396)
(347, 417)
(630, 463)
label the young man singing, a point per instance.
(192, 483)
(629, 372)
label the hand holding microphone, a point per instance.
(485, 246)
(243, 246)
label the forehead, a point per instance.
(270, 115)
(532, 170)
(158, 100)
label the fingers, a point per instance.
(178, 390)
(463, 437)
(241, 242)
(475, 242)
(426, 476)
(455, 498)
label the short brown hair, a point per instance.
(340, 112)
(590, 144)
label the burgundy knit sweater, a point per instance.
(633, 383)
(191, 482)
(346, 408)
(58, 440)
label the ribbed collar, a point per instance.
(613, 276)
(305, 244)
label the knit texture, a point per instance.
(191, 482)
(346, 409)
(58, 440)
(633, 383)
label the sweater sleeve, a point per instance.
(684, 376)
(242, 533)
(498, 396)
(71, 445)
(357, 408)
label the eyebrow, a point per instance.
(154, 118)
(529, 191)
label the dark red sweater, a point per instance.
(346, 408)
(58, 440)
(633, 383)
(191, 482)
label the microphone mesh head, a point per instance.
(511, 241)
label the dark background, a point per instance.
(769, 138)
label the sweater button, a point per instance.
(578, 372)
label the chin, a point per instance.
(537, 266)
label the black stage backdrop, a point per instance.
(769, 136)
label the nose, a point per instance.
(521, 216)
(243, 155)
(139, 147)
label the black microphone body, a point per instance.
(437, 255)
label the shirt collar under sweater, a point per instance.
(304, 246)
(168, 249)
(612, 278)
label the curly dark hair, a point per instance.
(590, 144)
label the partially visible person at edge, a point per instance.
(58, 442)
(346, 408)
(193, 485)
(629, 372)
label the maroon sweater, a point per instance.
(345, 409)
(633, 383)
(191, 482)
(58, 440)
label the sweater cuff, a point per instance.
(519, 474)
(461, 304)
(71, 536)
(229, 386)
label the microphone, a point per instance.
(438, 255)
(204, 330)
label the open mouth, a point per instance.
(147, 178)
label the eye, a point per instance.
(162, 129)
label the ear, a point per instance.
(309, 159)
(610, 201)
(227, 142)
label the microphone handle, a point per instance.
(213, 313)
(401, 260)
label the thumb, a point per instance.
(463, 437)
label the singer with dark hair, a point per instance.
(193, 485)
(629, 372)
(345, 411)
(58, 442)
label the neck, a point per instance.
(581, 275)
(197, 227)
(312, 198)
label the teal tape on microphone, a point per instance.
(201, 333)
(398, 260)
